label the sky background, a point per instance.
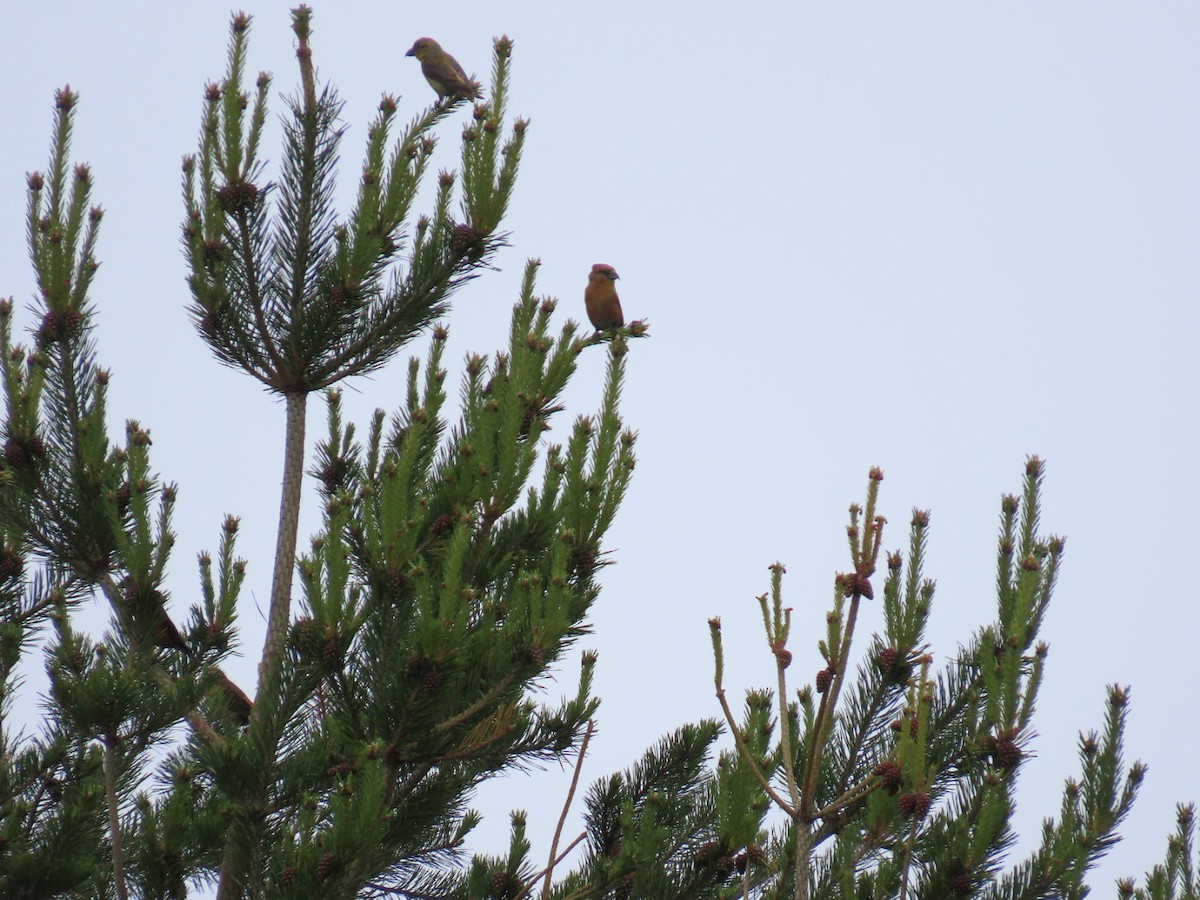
(931, 237)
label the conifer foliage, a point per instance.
(896, 780)
(456, 563)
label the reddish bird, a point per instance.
(600, 298)
(443, 72)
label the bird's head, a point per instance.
(604, 271)
(423, 47)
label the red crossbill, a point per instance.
(600, 298)
(150, 612)
(443, 72)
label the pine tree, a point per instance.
(883, 777)
(456, 562)
(895, 781)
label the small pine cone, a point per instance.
(708, 852)
(330, 651)
(465, 240)
(432, 679)
(396, 578)
(441, 525)
(824, 679)
(535, 654)
(725, 866)
(340, 295)
(961, 885)
(624, 888)
(859, 585)
(124, 493)
(891, 775)
(76, 660)
(1007, 755)
(22, 451)
(327, 866)
(11, 565)
(888, 657)
(783, 657)
(287, 877)
(756, 855)
(52, 329)
(583, 562)
(915, 805)
(331, 475)
(237, 196)
(502, 884)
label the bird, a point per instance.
(600, 298)
(443, 72)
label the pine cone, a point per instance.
(123, 495)
(237, 196)
(624, 888)
(432, 679)
(961, 885)
(20, 451)
(327, 866)
(887, 659)
(287, 877)
(466, 241)
(824, 679)
(1007, 755)
(331, 652)
(11, 565)
(332, 474)
(756, 855)
(891, 774)
(583, 562)
(914, 806)
(396, 578)
(535, 654)
(708, 852)
(502, 885)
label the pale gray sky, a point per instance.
(930, 237)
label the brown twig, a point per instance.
(562, 819)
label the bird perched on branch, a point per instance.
(443, 72)
(600, 298)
